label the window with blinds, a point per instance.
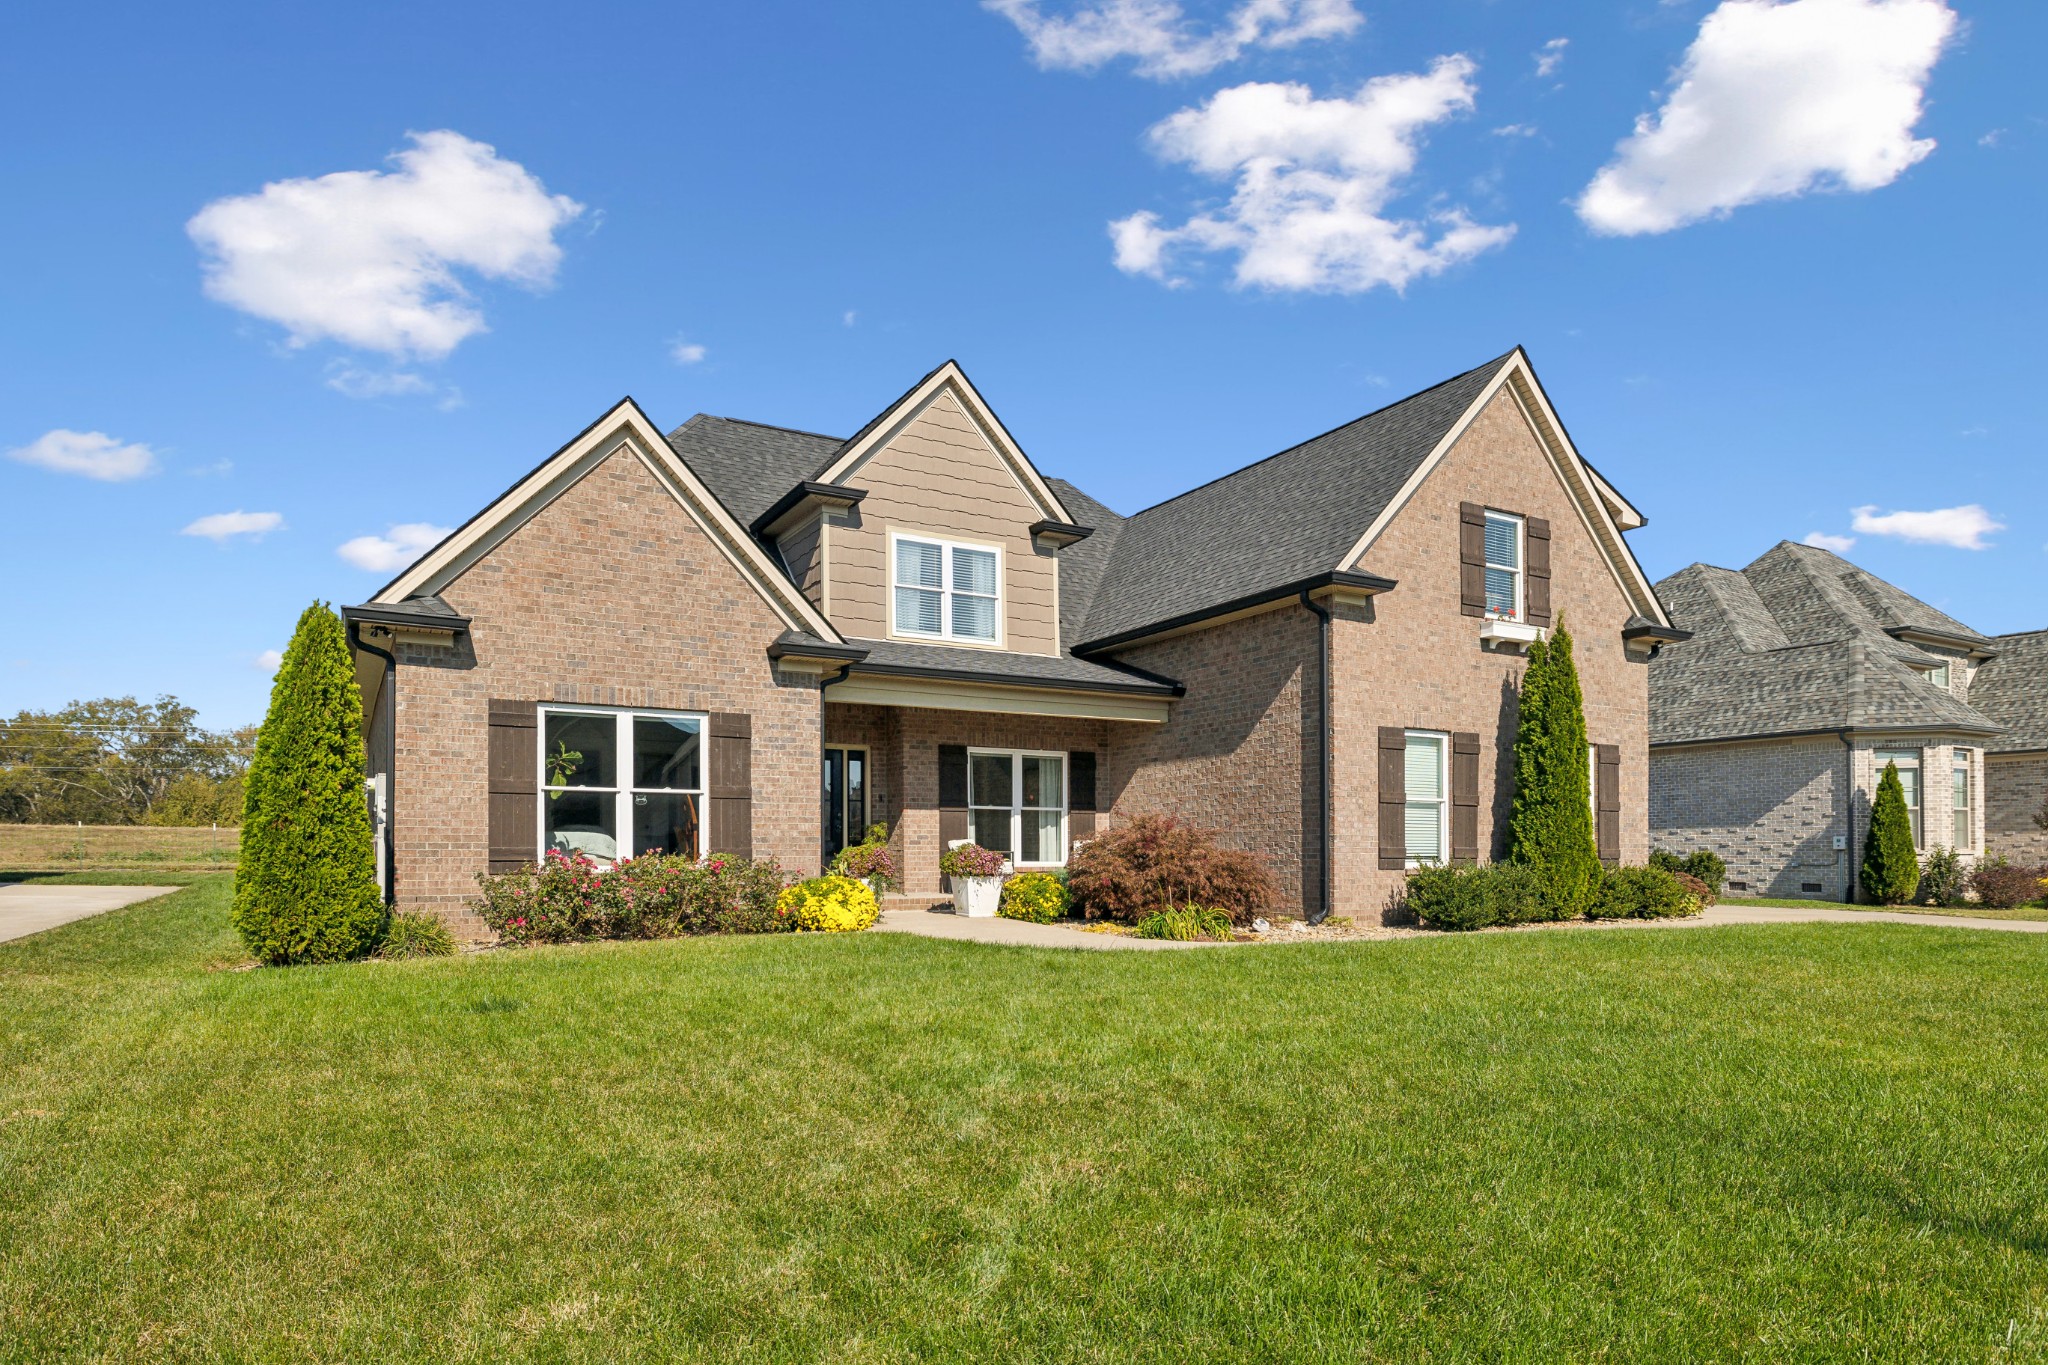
(1504, 565)
(946, 591)
(1427, 783)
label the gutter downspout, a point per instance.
(824, 683)
(1849, 790)
(1322, 910)
(387, 701)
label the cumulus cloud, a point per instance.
(1550, 57)
(270, 660)
(374, 259)
(1772, 101)
(356, 381)
(221, 527)
(1314, 179)
(685, 352)
(1961, 527)
(1841, 545)
(396, 549)
(93, 454)
(1159, 39)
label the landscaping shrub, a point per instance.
(971, 860)
(1185, 924)
(1039, 897)
(306, 889)
(1943, 878)
(561, 899)
(829, 905)
(413, 934)
(1642, 893)
(1697, 889)
(1550, 827)
(663, 896)
(1702, 864)
(1891, 872)
(2001, 885)
(1154, 861)
(869, 861)
(1478, 897)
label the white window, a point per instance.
(1504, 566)
(946, 591)
(1908, 762)
(1938, 675)
(1965, 831)
(1428, 787)
(1017, 804)
(620, 783)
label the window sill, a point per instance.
(1514, 634)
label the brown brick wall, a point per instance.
(611, 595)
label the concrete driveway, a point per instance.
(31, 907)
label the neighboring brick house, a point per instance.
(2012, 692)
(1804, 676)
(750, 639)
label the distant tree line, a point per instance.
(119, 761)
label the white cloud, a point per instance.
(93, 454)
(1772, 101)
(1550, 57)
(1516, 130)
(1158, 37)
(397, 548)
(371, 258)
(1841, 545)
(354, 381)
(1992, 138)
(848, 317)
(1314, 179)
(685, 352)
(1962, 527)
(218, 469)
(221, 527)
(270, 660)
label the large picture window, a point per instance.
(1428, 788)
(1017, 804)
(1908, 762)
(621, 783)
(946, 591)
(1504, 566)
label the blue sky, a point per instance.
(1789, 298)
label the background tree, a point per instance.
(1891, 869)
(306, 889)
(1551, 825)
(113, 761)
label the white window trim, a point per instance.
(946, 590)
(1918, 810)
(622, 809)
(1443, 801)
(1965, 762)
(1939, 675)
(1017, 806)
(1521, 567)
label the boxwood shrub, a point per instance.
(1642, 893)
(1478, 897)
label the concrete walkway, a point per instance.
(1015, 932)
(31, 907)
(1770, 914)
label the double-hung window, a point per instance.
(616, 784)
(1938, 675)
(1504, 565)
(946, 591)
(1908, 763)
(1017, 804)
(1427, 778)
(1963, 835)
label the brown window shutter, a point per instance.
(1607, 802)
(1536, 572)
(1471, 559)
(732, 784)
(1081, 794)
(1393, 797)
(1465, 798)
(512, 776)
(952, 794)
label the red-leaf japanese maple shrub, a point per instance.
(1154, 861)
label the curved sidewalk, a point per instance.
(1015, 932)
(1773, 914)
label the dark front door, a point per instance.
(846, 797)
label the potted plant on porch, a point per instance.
(977, 875)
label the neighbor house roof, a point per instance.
(1798, 642)
(2013, 691)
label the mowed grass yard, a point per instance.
(1771, 1143)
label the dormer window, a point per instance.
(1503, 566)
(1938, 675)
(946, 591)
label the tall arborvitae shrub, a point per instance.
(1891, 870)
(1551, 826)
(306, 889)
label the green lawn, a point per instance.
(2026, 912)
(1768, 1143)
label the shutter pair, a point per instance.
(1472, 564)
(1393, 803)
(514, 784)
(953, 822)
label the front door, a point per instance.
(846, 797)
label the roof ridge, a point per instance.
(765, 426)
(849, 442)
(1242, 469)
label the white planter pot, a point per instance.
(977, 896)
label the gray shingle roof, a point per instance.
(1082, 563)
(2013, 690)
(1287, 518)
(1794, 643)
(748, 465)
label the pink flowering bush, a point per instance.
(564, 898)
(568, 898)
(972, 860)
(869, 861)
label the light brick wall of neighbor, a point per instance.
(2017, 784)
(610, 595)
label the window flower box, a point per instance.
(1500, 630)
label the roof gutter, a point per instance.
(1372, 585)
(1323, 859)
(384, 697)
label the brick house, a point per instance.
(745, 638)
(1804, 675)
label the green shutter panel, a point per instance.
(512, 781)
